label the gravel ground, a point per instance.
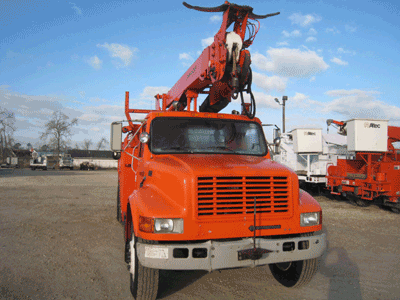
(60, 240)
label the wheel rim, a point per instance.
(284, 266)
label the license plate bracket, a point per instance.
(253, 253)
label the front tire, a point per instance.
(143, 280)
(119, 217)
(294, 274)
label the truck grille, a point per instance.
(218, 196)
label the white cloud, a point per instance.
(343, 51)
(350, 29)
(264, 100)
(207, 42)
(282, 44)
(185, 56)
(312, 31)
(301, 100)
(99, 112)
(269, 83)
(150, 91)
(95, 62)
(290, 62)
(304, 20)
(339, 61)
(341, 93)
(361, 104)
(294, 33)
(215, 18)
(123, 52)
(332, 30)
(312, 79)
(78, 11)
(311, 39)
(89, 117)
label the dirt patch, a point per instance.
(60, 240)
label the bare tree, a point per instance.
(58, 129)
(7, 128)
(44, 147)
(17, 146)
(102, 143)
(86, 144)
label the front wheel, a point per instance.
(294, 274)
(143, 280)
(119, 217)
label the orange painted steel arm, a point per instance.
(210, 67)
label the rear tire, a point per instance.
(143, 280)
(395, 210)
(363, 203)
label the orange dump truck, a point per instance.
(197, 189)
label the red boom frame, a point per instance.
(213, 73)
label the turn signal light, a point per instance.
(146, 224)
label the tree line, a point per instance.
(55, 136)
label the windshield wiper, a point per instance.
(223, 148)
(178, 148)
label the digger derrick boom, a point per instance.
(223, 67)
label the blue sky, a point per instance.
(333, 59)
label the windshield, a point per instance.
(195, 135)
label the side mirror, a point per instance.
(277, 141)
(116, 155)
(116, 137)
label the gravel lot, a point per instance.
(60, 240)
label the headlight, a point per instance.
(309, 219)
(160, 225)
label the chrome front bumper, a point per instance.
(225, 254)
